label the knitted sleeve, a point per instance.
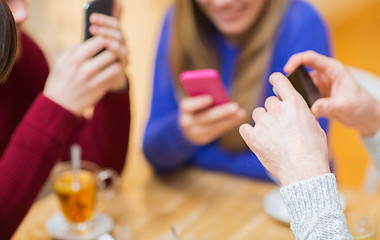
(33, 150)
(315, 210)
(104, 138)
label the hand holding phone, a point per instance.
(205, 81)
(201, 120)
(98, 6)
(304, 85)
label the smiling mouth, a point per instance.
(228, 16)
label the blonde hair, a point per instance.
(192, 47)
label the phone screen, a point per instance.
(98, 6)
(304, 85)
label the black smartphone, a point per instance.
(302, 82)
(98, 6)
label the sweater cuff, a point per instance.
(53, 118)
(307, 199)
(372, 144)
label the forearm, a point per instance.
(165, 146)
(315, 209)
(35, 147)
(104, 138)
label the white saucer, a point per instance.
(58, 228)
(276, 208)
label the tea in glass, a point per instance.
(77, 202)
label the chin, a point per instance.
(233, 31)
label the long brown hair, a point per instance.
(192, 47)
(8, 40)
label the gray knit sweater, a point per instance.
(314, 207)
(315, 210)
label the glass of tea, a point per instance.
(78, 200)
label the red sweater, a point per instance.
(35, 135)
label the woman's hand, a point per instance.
(79, 79)
(286, 137)
(201, 123)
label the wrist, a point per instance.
(294, 176)
(368, 131)
(121, 86)
(68, 107)
(371, 127)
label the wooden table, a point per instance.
(200, 204)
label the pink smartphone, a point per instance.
(205, 81)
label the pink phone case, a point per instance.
(204, 81)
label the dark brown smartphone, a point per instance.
(304, 85)
(98, 6)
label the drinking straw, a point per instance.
(75, 152)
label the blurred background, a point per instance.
(355, 36)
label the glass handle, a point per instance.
(108, 181)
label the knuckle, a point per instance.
(310, 52)
(185, 121)
(269, 101)
(76, 60)
(86, 72)
(185, 104)
(252, 136)
(113, 44)
(117, 68)
(275, 107)
(337, 63)
(116, 24)
(294, 98)
(276, 77)
(256, 112)
(182, 105)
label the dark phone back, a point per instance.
(99, 6)
(302, 82)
